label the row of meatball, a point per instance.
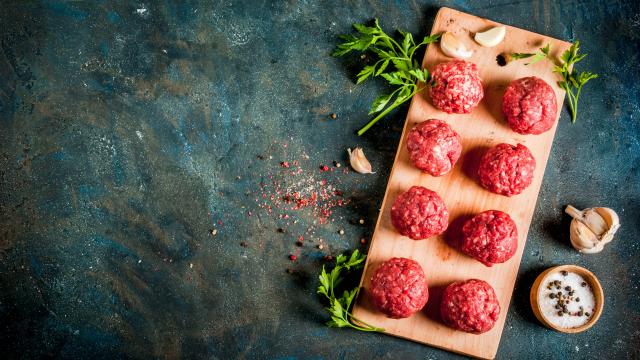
(399, 287)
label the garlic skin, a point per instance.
(592, 228)
(453, 47)
(491, 37)
(359, 162)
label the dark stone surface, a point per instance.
(128, 132)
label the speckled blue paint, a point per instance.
(125, 137)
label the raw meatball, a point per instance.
(399, 288)
(458, 87)
(419, 213)
(530, 106)
(470, 306)
(507, 169)
(491, 237)
(434, 147)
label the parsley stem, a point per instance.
(387, 110)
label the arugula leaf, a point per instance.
(405, 73)
(339, 308)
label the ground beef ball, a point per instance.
(530, 106)
(507, 169)
(470, 306)
(434, 147)
(419, 213)
(399, 288)
(491, 237)
(458, 87)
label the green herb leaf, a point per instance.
(339, 308)
(571, 82)
(405, 73)
(379, 103)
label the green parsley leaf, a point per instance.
(339, 308)
(405, 72)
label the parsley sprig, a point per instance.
(395, 63)
(572, 81)
(543, 53)
(339, 307)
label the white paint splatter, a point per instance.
(140, 136)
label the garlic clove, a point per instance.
(453, 47)
(491, 37)
(359, 162)
(592, 228)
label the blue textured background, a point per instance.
(129, 131)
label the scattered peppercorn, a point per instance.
(328, 258)
(363, 241)
(284, 164)
(567, 288)
(320, 246)
(244, 244)
(280, 230)
(564, 273)
(289, 271)
(587, 314)
(584, 284)
(361, 221)
(577, 299)
(341, 232)
(337, 164)
(293, 257)
(213, 232)
(333, 115)
(552, 295)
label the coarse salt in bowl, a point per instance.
(567, 298)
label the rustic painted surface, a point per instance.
(129, 131)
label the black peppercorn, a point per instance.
(577, 299)
(587, 314)
(564, 273)
(560, 313)
(584, 284)
(552, 295)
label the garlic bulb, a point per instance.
(359, 162)
(491, 37)
(453, 47)
(592, 228)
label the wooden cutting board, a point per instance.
(460, 190)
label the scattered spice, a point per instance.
(293, 257)
(361, 221)
(337, 164)
(341, 232)
(324, 168)
(284, 164)
(244, 244)
(333, 115)
(328, 258)
(320, 246)
(213, 232)
(363, 241)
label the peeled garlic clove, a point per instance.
(491, 37)
(358, 161)
(453, 47)
(592, 228)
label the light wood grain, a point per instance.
(459, 189)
